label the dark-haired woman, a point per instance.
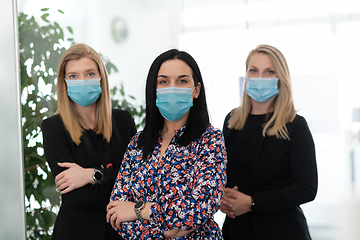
(172, 177)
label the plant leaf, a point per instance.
(70, 30)
(44, 16)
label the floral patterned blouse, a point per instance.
(186, 186)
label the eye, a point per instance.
(271, 72)
(252, 70)
(72, 76)
(162, 82)
(182, 81)
(90, 74)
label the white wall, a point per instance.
(153, 27)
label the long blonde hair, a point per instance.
(284, 110)
(66, 107)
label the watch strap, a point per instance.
(138, 209)
(252, 204)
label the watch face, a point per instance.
(98, 175)
(139, 204)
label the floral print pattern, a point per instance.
(186, 186)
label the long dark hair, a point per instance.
(198, 119)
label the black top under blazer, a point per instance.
(278, 174)
(82, 214)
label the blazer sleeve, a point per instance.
(59, 147)
(225, 126)
(302, 187)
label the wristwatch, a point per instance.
(98, 176)
(138, 207)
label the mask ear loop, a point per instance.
(194, 88)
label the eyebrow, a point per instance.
(87, 70)
(180, 76)
(70, 73)
(184, 75)
(269, 68)
(162, 76)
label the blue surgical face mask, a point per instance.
(84, 92)
(262, 89)
(174, 102)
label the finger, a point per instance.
(108, 217)
(227, 194)
(68, 189)
(225, 207)
(227, 197)
(59, 182)
(231, 193)
(226, 202)
(111, 211)
(171, 232)
(113, 220)
(236, 188)
(229, 190)
(59, 176)
(65, 182)
(113, 216)
(61, 186)
(65, 164)
(229, 213)
(117, 223)
(110, 205)
(224, 210)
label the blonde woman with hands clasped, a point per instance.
(271, 156)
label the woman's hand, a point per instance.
(120, 211)
(123, 211)
(178, 233)
(235, 203)
(72, 178)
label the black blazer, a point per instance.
(82, 213)
(284, 175)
